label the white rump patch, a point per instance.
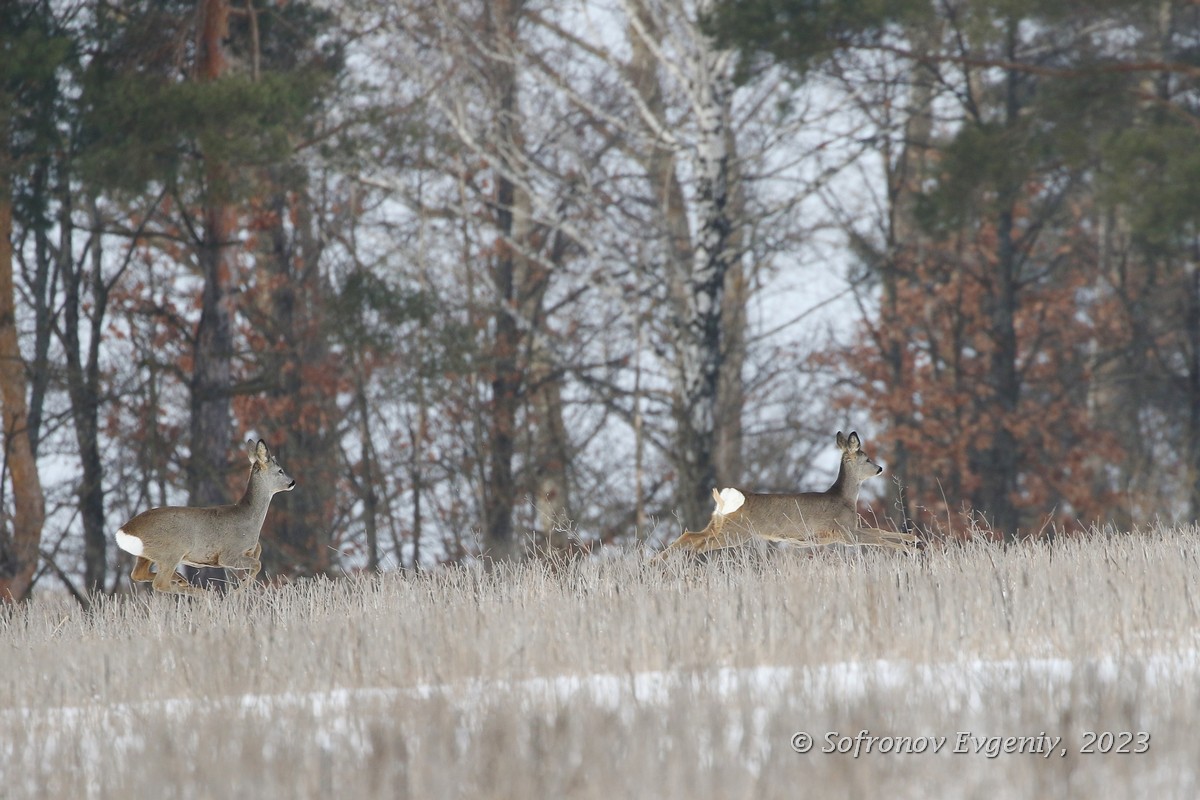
(130, 544)
(729, 501)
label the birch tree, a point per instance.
(697, 165)
(707, 153)
(699, 261)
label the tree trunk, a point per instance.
(1191, 293)
(551, 457)
(731, 387)
(211, 429)
(18, 549)
(83, 387)
(707, 417)
(501, 19)
(698, 321)
(305, 384)
(417, 435)
(368, 489)
(43, 292)
(999, 462)
(903, 250)
(500, 492)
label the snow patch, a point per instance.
(130, 544)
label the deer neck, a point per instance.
(254, 503)
(845, 487)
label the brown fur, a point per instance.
(215, 536)
(807, 518)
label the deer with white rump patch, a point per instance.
(214, 536)
(809, 518)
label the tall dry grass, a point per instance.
(465, 682)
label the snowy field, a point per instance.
(1070, 670)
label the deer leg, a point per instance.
(168, 580)
(837, 536)
(141, 570)
(247, 562)
(881, 538)
(686, 541)
(894, 536)
(722, 540)
(705, 542)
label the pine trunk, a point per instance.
(291, 312)
(18, 547)
(903, 250)
(999, 463)
(211, 430)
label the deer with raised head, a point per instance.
(809, 518)
(213, 536)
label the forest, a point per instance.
(502, 277)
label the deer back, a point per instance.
(775, 516)
(196, 536)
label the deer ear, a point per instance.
(854, 443)
(251, 450)
(261, 453)
(841, 441)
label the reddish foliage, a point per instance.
(936, 400)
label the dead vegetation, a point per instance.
(615, 678)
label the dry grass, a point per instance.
(468, 683)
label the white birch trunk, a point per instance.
(699, 323)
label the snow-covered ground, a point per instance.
(967, 672)
(103, 734)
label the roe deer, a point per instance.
(216, 536)
(811, 518)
